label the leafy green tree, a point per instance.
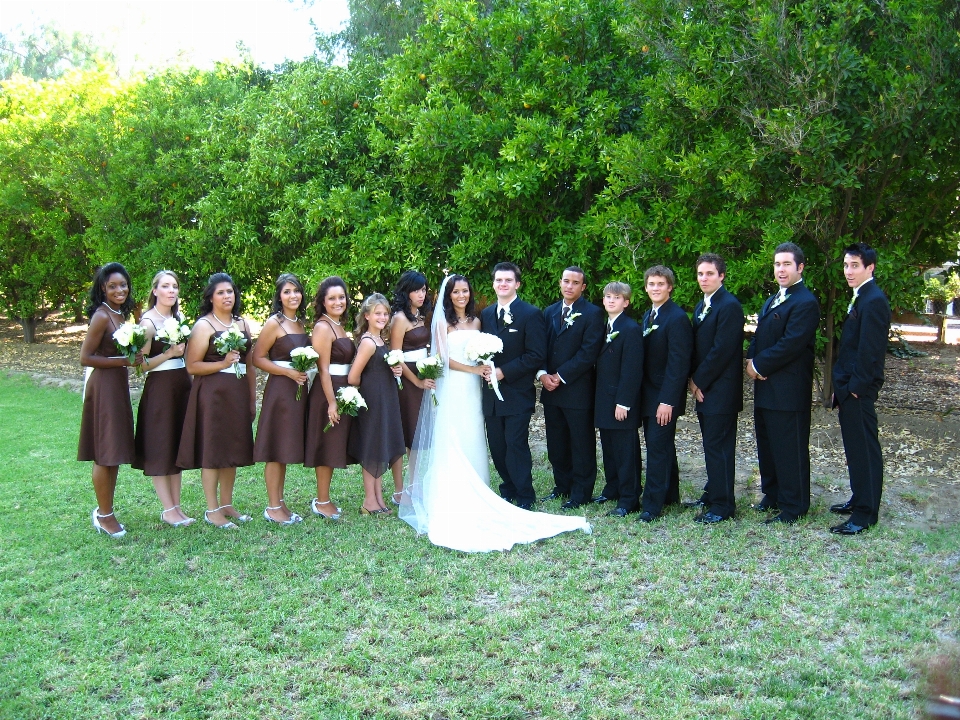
(49, 52)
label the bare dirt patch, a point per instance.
(919, 411)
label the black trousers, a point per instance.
(663, 470)
(783, 454)
(509, 440)
(719, 434)
(572, 451)
(621, 466)
(861, 443)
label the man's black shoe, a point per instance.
(555, 495)
(842, 508)
(709, 518)
(571, 505)
(848, 528)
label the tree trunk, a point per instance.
(826, 396)
(29, 326)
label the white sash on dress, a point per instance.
(339, 369)
(171, 364)
(241, 367)
(88, 371)
(311, 371)
(414, 355)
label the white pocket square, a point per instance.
(512, 330)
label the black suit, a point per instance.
(619, 370)
(667, 346)
(782, 350)
(572, 348)
(508, 420)
(859, 370)
(717, 370)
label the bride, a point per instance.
(447, 493)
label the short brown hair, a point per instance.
(718, 262)
(660, 271)
(618, 288)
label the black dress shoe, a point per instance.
(555, 495)
(646, 517)
(571, 505)
(776, 519)
(524, 506)
(620, 512)
(601, 499)
(765, 505)
(694, 503)
(842, 508)
(709, 518)
(848, 528)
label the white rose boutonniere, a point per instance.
(508, 318)
(650, 330)
(779, 301)
(570, 318)
(703, 313)
(612, 336)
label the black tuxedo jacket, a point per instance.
(717, 366)
(863, 346)
(782, 350)
(524, 347)
(666, 360)
(619, 370)
(572, 351)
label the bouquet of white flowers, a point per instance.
(481, 349)
(232, 339)
(349, 402)
(431, 368)
(173, 332)
(302, 359)
(394, 358)
(130, 339)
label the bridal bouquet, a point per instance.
(394, 358)
(431, 368)
(130, 339)
(302, 359)
(173, 332)
(232, 339)
(349, 402)
(481, 349)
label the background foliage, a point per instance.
(613, 134)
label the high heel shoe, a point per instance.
(100, 529)
(178, 523)
(293, 516)
(226, 526)
(294, 519)
(394, 499)
(313, 507)
(238, 518)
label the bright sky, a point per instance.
(156, 33)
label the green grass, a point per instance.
(363, 619)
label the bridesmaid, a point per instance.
(377, 440)
(283, 418)
(163, 404)
(328, 450)
(410, 333)
(218, 433)
(106, 426)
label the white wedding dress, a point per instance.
(447, 492)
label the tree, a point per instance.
(48, 53)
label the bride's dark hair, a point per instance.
(449, 312)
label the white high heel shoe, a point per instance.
(239, 518)
(226, 526)
(100, 529)
(294, 519)
(334, 516)
(293, 515)
(178, 523)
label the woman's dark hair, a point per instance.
(206, 304)
(409, 282)
(318, 301)
(449, 312)
(152, 299)
(283, 280)
(98, 296)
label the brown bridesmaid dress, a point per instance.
(106, 425)
(329, 449)
(283, 418)
(377, 438)
(410, 395)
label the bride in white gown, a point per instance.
(447, 492)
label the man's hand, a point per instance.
(499, 375)
(664, 414)
(550, 382)
(752, 371)
(620, 413)
(695, 391)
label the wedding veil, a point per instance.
(415, 501)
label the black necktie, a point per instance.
(563, 316)
(501, 317)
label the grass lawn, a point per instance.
(362, 619)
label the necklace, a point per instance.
(330, 319)
(115, 312)
(293, 319)
(225, 327)
(160, 314)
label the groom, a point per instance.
(520, 326)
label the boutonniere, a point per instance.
(508, 318)
(570, 318)
(779, 301)
(612, 336)
(850, 306)
(703, 313)
(650, 330)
